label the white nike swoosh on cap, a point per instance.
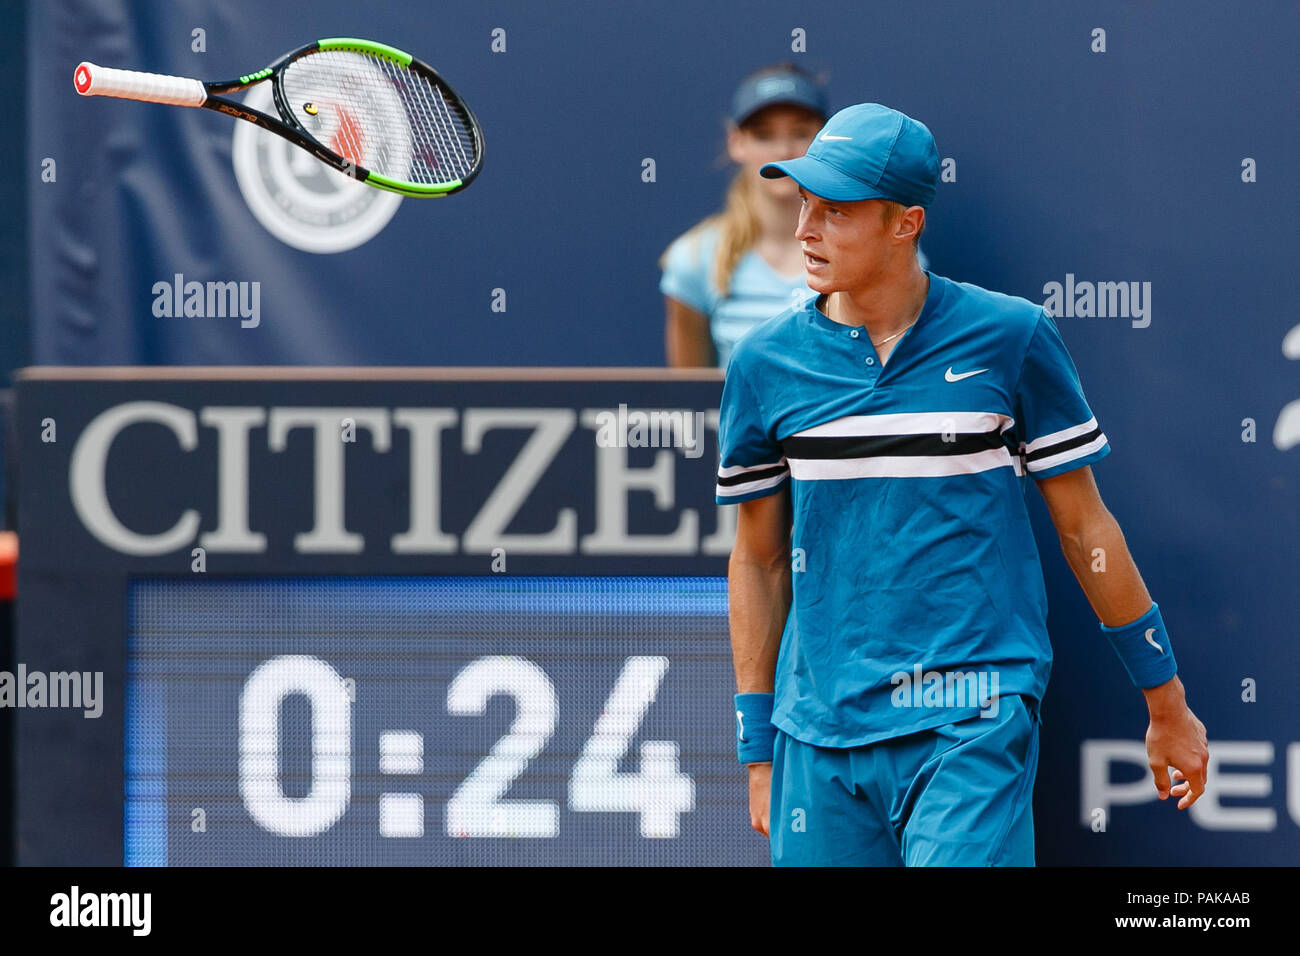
(957, 377)
(826, 136)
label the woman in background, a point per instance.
(743, 265)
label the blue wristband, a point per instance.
(755, 735)
(1145, 649)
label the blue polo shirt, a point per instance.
(912, 550)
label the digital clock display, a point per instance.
(432, 720)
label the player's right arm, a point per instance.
(687, 339)
(759, 592)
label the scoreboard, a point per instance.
(443, 720)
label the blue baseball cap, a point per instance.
(867, 151)
(777, 85)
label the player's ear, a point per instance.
(909, 223)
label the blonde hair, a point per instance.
(738, 231)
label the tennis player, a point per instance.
(888, 611)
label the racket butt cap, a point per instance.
(82, 77)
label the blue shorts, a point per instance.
(957, 795)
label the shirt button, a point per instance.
(854, 333)
(870, 360)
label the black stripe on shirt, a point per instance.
(880, 446)
(745, 477)
(1061, 446)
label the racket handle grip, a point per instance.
(92, 80)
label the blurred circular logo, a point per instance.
(300, 200)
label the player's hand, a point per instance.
(1176, 738)
(760, 796)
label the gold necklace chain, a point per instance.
(896, 334)
(890, 338)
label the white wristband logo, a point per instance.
(1150, 631)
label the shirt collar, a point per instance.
(822, 320)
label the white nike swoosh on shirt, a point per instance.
(828, 136)
(951, 377)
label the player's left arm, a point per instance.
(1089, 532)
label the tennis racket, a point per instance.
(368, 110)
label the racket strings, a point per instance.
(445, 129)
(380, 115)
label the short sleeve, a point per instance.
(750, 461)
(1060, 432)
(686, 273)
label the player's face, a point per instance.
(769, 136)
(847, 245)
